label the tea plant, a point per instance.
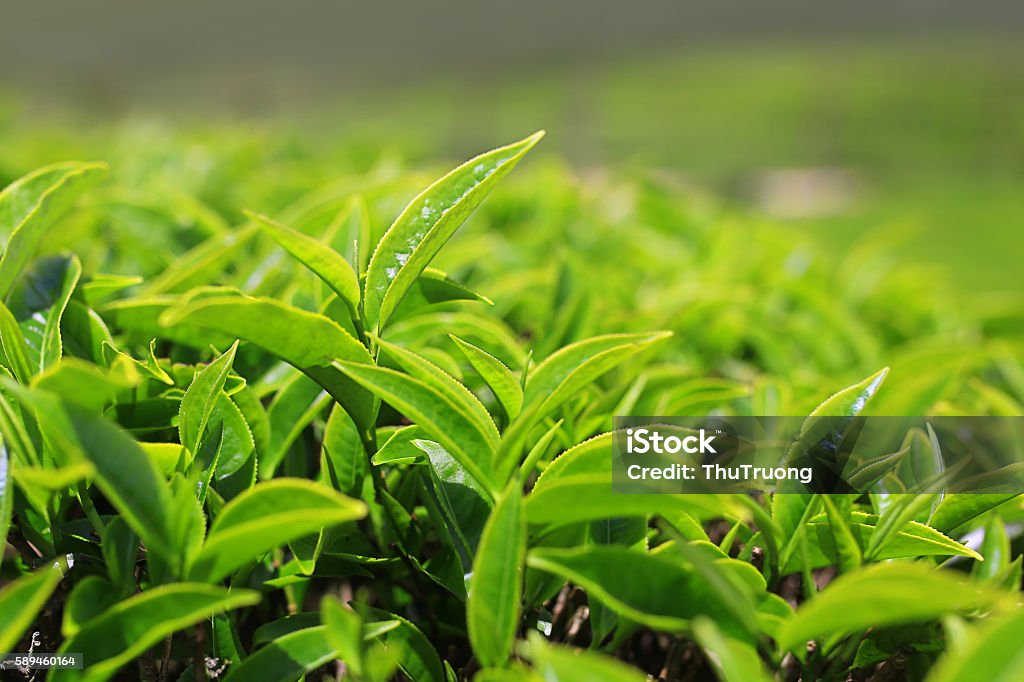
(297, 447)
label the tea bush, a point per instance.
(298, 442)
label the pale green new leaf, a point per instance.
(321, 259)
(496, 375)
(790, 511)
(201, 263)
(85, 384)
(400, 447)
(198, 402)
(847, 550)
(344, 632)
(30, 206)
(37, 301)
(427, 223)
(575, 366)
(563, 375)
(583, 474)
(434, 287)
(13, 344)
(344, 460)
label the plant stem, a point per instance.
(90, 511)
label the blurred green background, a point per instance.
(843, 119)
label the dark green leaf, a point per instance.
(492, 611)
(127, 629)
(266, 516)
(882, 595)
(286, 659)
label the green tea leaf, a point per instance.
(13, 345)
(492, 610)
(495, 374)
(307, 341)
(572, 368)
(266, 516)
(21, 600)
(850, 401)
(201, 264)
(85, 384)
(912, 540)
(120, 548)
(344, 632)
(444, 420)
(290, 412)
(200, 398)
(593, 499)
(563, 375)
(37, 301)
(431, 288)
(957, 509)
(847, 549)
(790, 511)
(130, 627)
(287, 658)
(124, 472)
(294, 622)
(879, 596)
(344, 460)
(576, 665)
(416, 655)
(427, 223)
(992, 652)
(91, 597)
(995, 547)
(582, 474)
(322, 260)
(435, 377)
(668, 597)
(30, 206)
(462, 502)
(732, 659)
(400, 447)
